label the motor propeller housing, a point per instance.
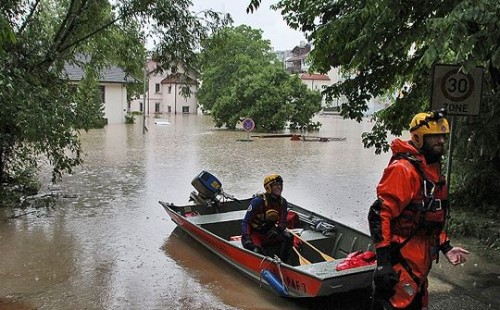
(207, 185)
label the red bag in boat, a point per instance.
(292, 220)
(191, 214)
(357, 259)
(296, 242)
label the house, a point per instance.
(316, 82)
(283, 56)
(164, 93)
(113, 87)
(297, 62)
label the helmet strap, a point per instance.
(416, 140)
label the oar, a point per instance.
(302, 260)
(326, 257)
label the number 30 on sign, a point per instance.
(457, 92)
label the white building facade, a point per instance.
(165, 93)
(113, 87)
(115, 102)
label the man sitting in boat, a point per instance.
(264, 224)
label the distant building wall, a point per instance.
(174, 103)
(115, 100)
(316, 82)
(164, 95)
(113, 82)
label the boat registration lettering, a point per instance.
(296, 284)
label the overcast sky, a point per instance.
(271, 22)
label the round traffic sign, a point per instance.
(457, 86)
(248, 124)
(456, 91)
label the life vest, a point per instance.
(426, 214)
(269, 214)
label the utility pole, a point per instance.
(144, 129)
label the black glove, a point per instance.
(384, 276)
(258, 250)
(247, 244)
(272, 233)
(286, 234)
(446, 247)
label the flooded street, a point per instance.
(110, 245)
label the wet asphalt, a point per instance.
(472, 285)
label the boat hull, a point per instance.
(315, 280)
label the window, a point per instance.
(157, 87)
(102, 93)
(185, 109)
(169, 109)
(140, 107)
(157, 107)
(169, 89)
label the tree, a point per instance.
(389, 47)
(228, 55)
(41, 112)
(242, 78)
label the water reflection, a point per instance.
(241, 292)
(111, 247)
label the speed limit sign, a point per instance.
(455, 91)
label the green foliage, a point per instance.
(129, 118)
(468, 223)
(227, 56)
(389, 47)
(41, 112)
(242, 78)
(476, 161)
(88, 108)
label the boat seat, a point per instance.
(311, 235)
(223, 224)
(236, 243)
(218, 217)
(308, 235)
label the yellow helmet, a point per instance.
(428, 123)
(270, 180)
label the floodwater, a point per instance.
(108, 244)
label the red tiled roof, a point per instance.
(321, 77)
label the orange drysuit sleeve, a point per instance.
(399, 185)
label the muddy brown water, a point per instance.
(110, 245)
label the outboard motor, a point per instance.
(207, 186)
(208, 190)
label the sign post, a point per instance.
(248, 125)
(459, 94)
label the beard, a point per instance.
(431, 154)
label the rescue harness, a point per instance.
(267, 218)
(431, 214)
